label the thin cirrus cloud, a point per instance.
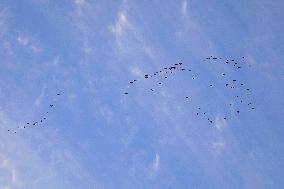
(3, 20)
(120, 24)
(28, 42)
(130, 39)
(156, 162)
(220, 122)
(184, 8)
(9, 177)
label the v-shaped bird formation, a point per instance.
(239, 90)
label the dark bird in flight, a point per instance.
(51, 105)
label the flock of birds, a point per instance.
(164, 73)
(36, 123)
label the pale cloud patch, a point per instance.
(220, 122)
(23, 40)
(35, 49)
(136, 72)
(250, 61)
(3, 20)
(156, 163)
(39, 99)
(80, 2)
(218, 146)
(120, 24)
(84, 15)
(184, 8)
(8, 174)
(29, 42)
(129, 36)
(56, 60)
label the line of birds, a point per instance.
(232, 84)
(236, 63)
(165, 73)
(34, 123)
(166, 70)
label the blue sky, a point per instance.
(96, 137)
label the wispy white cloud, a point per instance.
(35, 49)
(8, 178)
(29, 42)
(84, 14)
(184, 8)
(23, 40)
(80, 2)
(136, 72)
(220, 122)
(40, 97)
(156, 163)
(3, 20)
(130, 39)
(22, 161)
(218, 146)
(120, 24)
